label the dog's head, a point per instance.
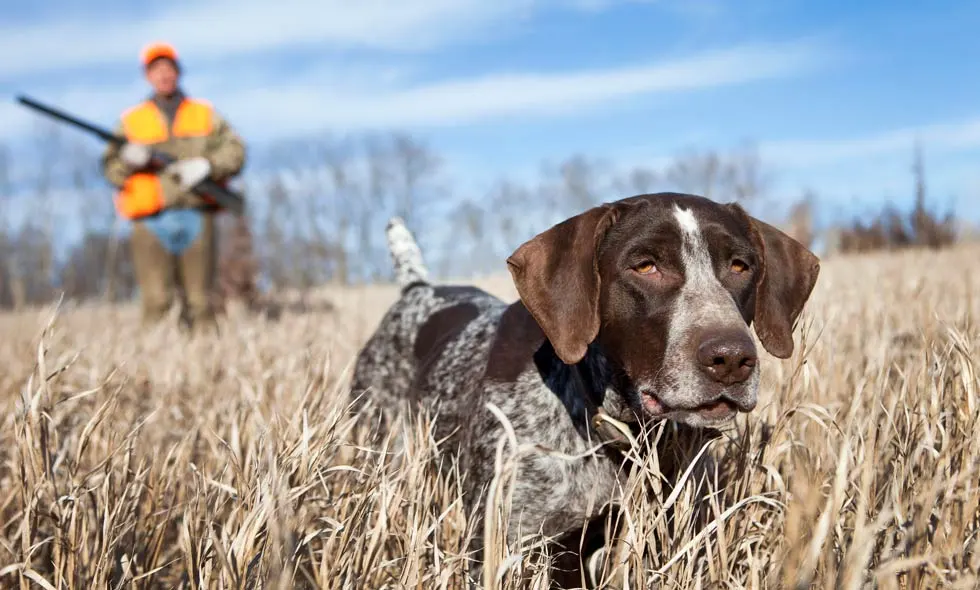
(667, 286)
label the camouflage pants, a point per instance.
(163, 276)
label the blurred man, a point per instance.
(173, 240)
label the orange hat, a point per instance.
(155, 51)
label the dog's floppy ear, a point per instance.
(788, 274)
(557, 277)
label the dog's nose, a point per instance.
(727, 357)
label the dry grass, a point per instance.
(151, 460)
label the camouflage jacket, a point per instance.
(223, 148)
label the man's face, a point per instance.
(162, 76)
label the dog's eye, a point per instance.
(739, 267)
(645, 268)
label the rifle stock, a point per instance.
(207, 188)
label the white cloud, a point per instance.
(949, 137)
(315, 100)
(218, 29)
(878, 167)
(935, 137)
(598, 5)
(487, 97)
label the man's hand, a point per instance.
(190, 172)
(134, 155)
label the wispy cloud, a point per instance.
(220, 29)
(946, 136)
(873, 168)
(332, 98)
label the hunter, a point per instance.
(173, 242)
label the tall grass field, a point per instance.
(153, 459)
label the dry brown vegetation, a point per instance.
(131, 460)
(892, 229)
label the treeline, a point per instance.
(317, 209)
(892, 229)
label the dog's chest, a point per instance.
(559, 482)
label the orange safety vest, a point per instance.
(142, 193)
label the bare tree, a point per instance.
(745, 179)
(313, 240)
(43, 214)
(801, 219)
(637, 181)
(347, 203)
(113, 252)
(468, 224)
(737, 176)
(508, 205)
(929, 229)
(6, 251)
(698, 173)
(83, 276)
(380, 175)
(582, 183)
(579, 180)
(416, 165)
(274, 252)
(89, 254)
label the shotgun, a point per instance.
(206, 188)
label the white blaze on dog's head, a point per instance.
(665, 285)
(702, 305)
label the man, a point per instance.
(173, 239)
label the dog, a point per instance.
(637, 309)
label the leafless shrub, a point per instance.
(800, 220)
(891, 229)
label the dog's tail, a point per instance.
(409, 266)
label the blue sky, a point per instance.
(833, 93)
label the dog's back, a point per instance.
(418, 342)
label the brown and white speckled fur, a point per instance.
(453, 385)
(455, 349)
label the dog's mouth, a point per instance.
(717, 410)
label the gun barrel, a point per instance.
(63, 116)
(208, 187)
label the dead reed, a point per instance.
(145, 460)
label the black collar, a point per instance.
(616, 435)
(581, 388)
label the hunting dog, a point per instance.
(637, 309)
